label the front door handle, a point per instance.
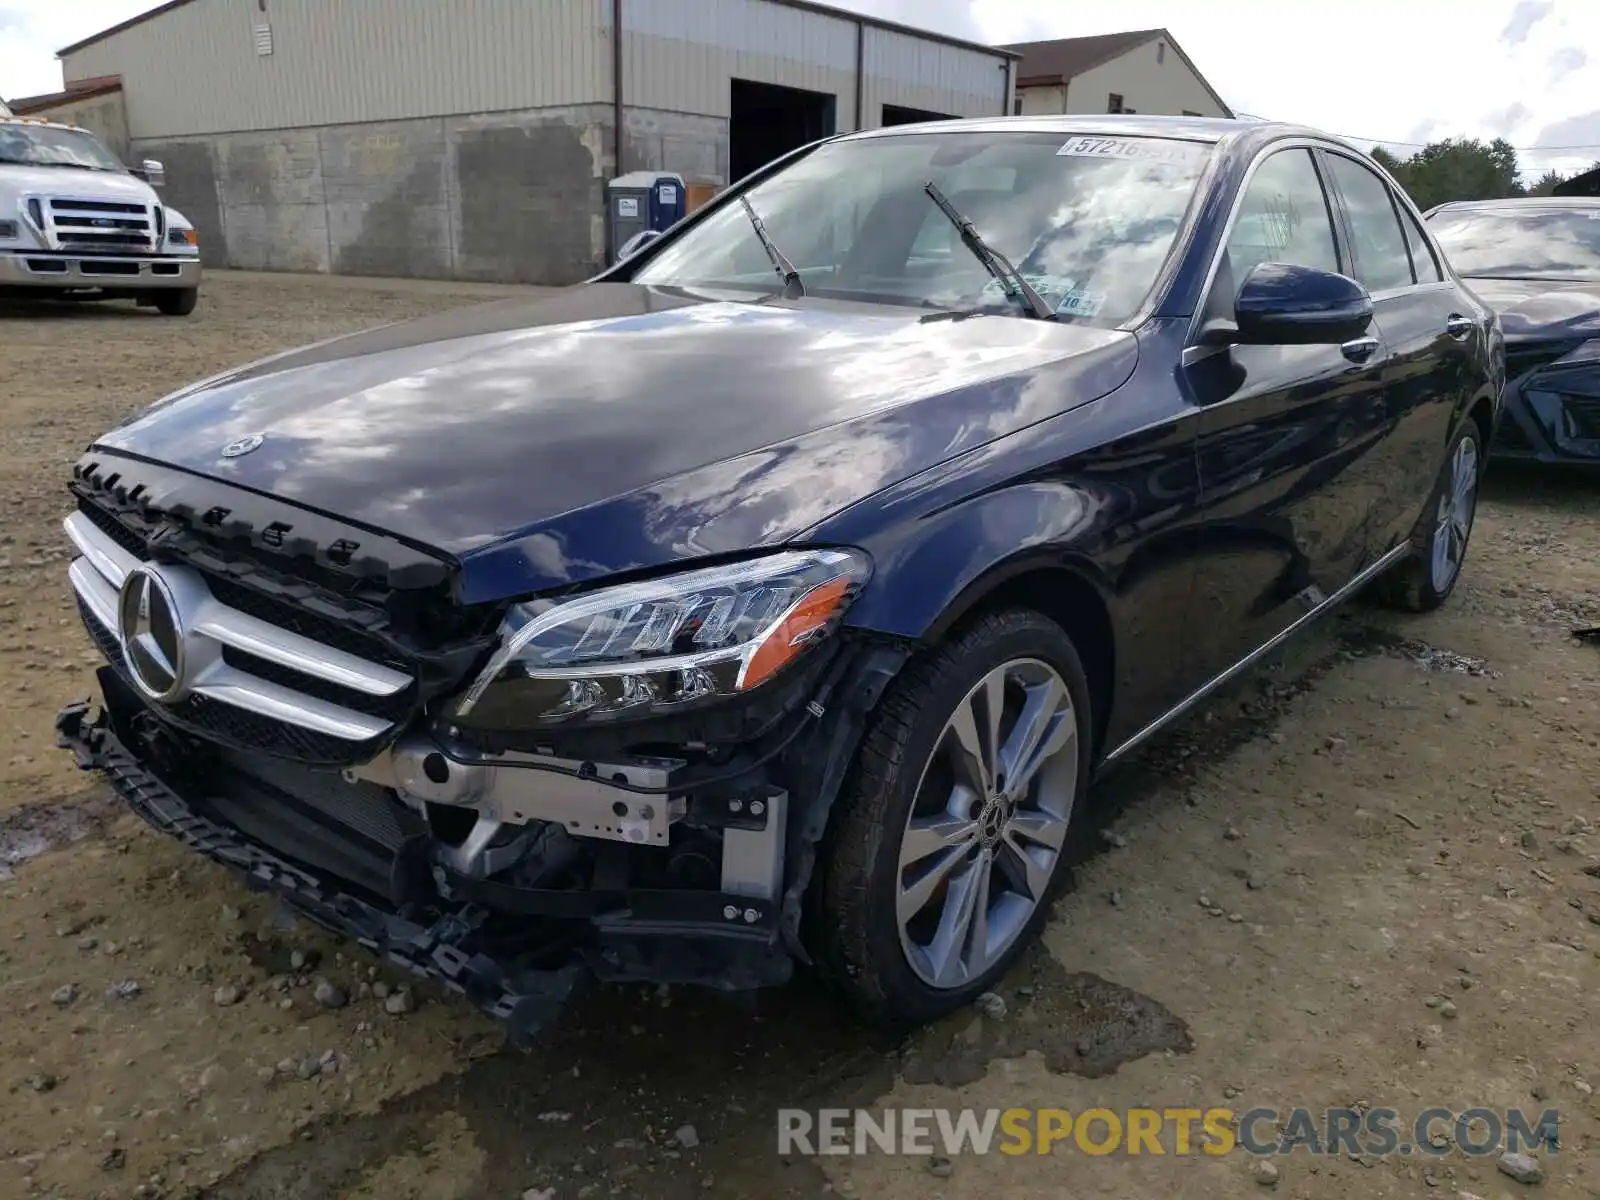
(1459, 327)
(1361, 350)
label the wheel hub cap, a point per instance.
(987, 824)
(1457, 505)
(992, 821)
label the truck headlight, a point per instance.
(640, 648)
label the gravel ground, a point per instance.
(1358, 877)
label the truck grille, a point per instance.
(249, 681)
(104, 226)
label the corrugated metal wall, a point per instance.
(679, 55)
(196, 70)
(917, 73)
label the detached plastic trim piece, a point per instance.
(525, 1004)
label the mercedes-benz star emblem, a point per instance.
(152, 634)
(242, 446)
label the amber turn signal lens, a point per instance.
(792, 634)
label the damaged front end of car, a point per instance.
(628, 783)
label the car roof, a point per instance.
(1519, 203)
(1197, 129)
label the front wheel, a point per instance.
(176, 302)
(1425, 581)
(952, 829)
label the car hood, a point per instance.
(1541, 307)
(615, 426)
(17, 180)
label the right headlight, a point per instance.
(642, 648)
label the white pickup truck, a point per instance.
(77, 224)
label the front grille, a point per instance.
(234, 728)
(295, 617)
(1583, 415)
(95, 206)
(1525, 356)
(87, 226)
(395, 708)
(251, 684)
(119, 267)
(242, 730)
(119, 533)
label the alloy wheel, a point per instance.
(988, 823)
(1457, 504)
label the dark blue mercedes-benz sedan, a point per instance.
(774, 596)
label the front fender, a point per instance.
(1106, 492)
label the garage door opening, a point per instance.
(894, 114)
(768, 121)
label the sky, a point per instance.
(1391, 71)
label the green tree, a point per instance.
(1455, 169)
(1546, 183)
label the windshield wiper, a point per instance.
(793, 285)
(993, 261)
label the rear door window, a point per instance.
(1382, 261)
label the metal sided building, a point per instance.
(472, 139)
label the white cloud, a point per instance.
(31, 31)
(1398, 70)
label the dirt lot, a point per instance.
(1357, 879)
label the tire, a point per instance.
(176, 302)
(1425, 580)
(910, 763)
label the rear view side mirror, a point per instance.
(1285, 305)
(152, 172)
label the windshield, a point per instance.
(48, 146)
(1088, 221)
(1544, 243)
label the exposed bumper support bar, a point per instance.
(526, 1001)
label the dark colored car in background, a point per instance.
(1536, 260)
(774, 596)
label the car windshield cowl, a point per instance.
(1087, 220)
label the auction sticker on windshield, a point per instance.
(1143, 149)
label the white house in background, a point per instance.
(1143, 71)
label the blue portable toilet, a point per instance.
(640, 201)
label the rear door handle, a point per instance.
(1360, 350)
(1459, 327)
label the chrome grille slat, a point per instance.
(226, 685)
(74, 223)
(95, 592)
(98, 576)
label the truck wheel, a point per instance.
(176, 302)
(952, 827)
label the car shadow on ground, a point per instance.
(1544, 487)
(77, 310)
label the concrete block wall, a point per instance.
(516, 197)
